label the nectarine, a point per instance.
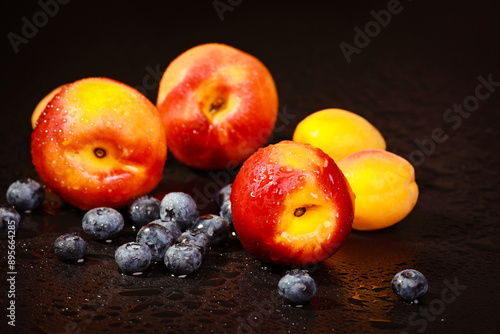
(291, 204)
(40, 107)
(99, 142)
(218, 105)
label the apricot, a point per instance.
(384, 185)
(338, 133)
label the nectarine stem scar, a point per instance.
(299, 212)
(217, 104)
(99, 152)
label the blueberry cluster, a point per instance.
(172, 232)
(178, 237)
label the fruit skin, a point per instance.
(409, 285)
(40, 107)
(133, 257)
(170, 225)
(8, 214)
(98, 143)
(225, 204)
(214, 227)
(144, 210)
(338, 133)
(25, 194)
(274, 185)
(297, 286)
(102, 223)
(179, 207)
(385, 188)
(218, 105)
(224, 194)
(70, 247)
(183, 259)
(196, 238)
(157, 238)
(226, 212)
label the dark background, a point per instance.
(427, 59)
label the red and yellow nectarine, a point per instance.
(99, 142)
(40, 107)
(291, 204)
(218, 105)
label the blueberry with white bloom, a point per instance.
(9, 220)
(214, 227)
(297, 286)
(224, 193)
(144, 210)
(133, 257)
(183, 259)
(102, 223)
(409, 285)
(25, 194)
(157, 238)
(178, 207)
(171, 226)
(198, 239)
(70, 247)
(226, 213)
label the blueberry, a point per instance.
(214, 227)
(178, 207)
(224, 193)
(133, 257)
(226, 213)
(157, 238)
(102, 223)
(144, 210)
(70, 247)
(297, 286)
(171, 226)
(198, 239)
(25, 194)
(183, 259)
(9, 220)
(409, 285)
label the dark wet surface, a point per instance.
(427, 59)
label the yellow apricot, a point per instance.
(384, 185)
(338, 133)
